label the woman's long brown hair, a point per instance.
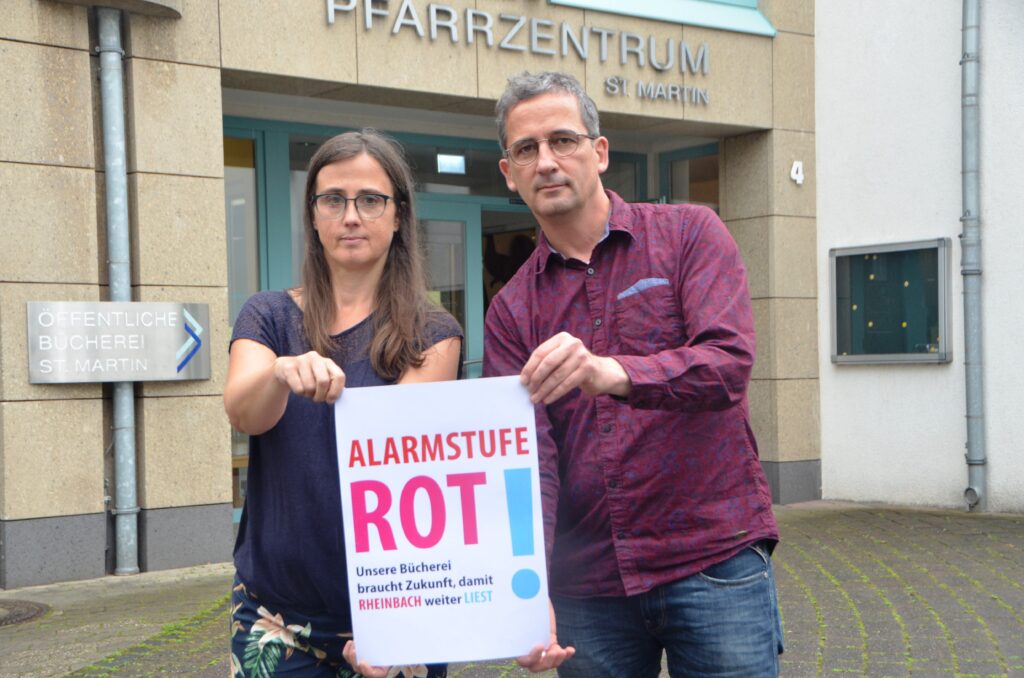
(402, 308)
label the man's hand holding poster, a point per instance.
(441, 507)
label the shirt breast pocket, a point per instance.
(647, 318)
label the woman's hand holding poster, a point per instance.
(444, 539)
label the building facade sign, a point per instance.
(76, 342)
(519, 33)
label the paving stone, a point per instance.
(864, 590)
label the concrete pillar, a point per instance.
(773, 220)
(52, 438)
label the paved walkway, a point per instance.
(865, 591)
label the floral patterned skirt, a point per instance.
(281, 642)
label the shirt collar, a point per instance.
(618, 220)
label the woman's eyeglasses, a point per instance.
(333, 205)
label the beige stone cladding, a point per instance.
(458, 56)
(405, 60)
(793, 82)
(179, 250)
(53, 459)
(772, 218)
(45, 23)
(497, 63)
(177, 230)
(185, 457)
(48, 224)
(192, 39)
(52, 438)
(286, 39)
(634, 43)
(174, 118)
(738, 81)
(790, 16)
(47, 104)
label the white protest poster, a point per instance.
(444, 539)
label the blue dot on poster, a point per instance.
(525, 584)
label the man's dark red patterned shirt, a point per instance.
(659, 486)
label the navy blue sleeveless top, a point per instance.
(290, 549)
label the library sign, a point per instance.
(96, 341)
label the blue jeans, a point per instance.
(723, 621)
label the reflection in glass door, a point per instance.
(243, 269)
(450, 234)
(242, 225)
(473, 247)
(445, 257)
(690, 175)
(509, 240)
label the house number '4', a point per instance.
(796, 173)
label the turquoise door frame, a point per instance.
(273, 203)
(468, 209)
(666, 159)
(440, 207)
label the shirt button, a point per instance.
(621, 535)
(597, 323)
(590, 271)
(606, 428)
(613, 484)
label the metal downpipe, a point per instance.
(970, 262)
(126, 507)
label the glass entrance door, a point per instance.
(451, 240)
(241, 220)
(473, 247)
(509, 240)
(690, 175)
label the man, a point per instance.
(631, 327)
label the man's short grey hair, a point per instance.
(529, 85)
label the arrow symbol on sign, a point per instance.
(194, 342)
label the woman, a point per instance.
(361, 318)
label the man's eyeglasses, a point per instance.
(333, 206)
(562, 144)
